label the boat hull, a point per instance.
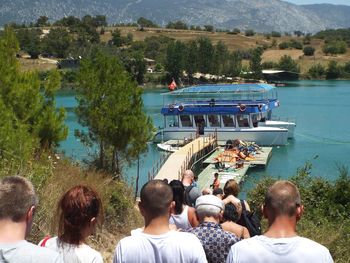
(268, 136)
(290, 126)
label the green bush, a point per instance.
(309, 51)
(249, 33)
(316, 71)
(335, 47)
(275, 34)
(283, 45)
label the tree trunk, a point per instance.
(137, 176)
(102, 155)
(115, 164)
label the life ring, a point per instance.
(242, 107)
(260, 107)
(181, 107)
(171, 107)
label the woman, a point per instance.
(79, 210)
(231, 190)
(182, 216)
(229, 224)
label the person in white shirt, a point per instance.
(157, 243)
(80, 209)
(281, 243)
(18, 203)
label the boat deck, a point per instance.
(206, 177)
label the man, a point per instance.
(215, 240)
(191, 192)
(157, 243)
(283, 209)
(17, 207)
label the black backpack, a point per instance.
(187, 198)
(250, 220)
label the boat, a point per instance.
(231, 111)
(167, 147)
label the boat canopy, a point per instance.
(244, 88)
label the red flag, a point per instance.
(172, 85)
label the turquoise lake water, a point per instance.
(321, 110)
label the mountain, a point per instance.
(336, 16)
(260, 15)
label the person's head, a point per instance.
(206, 191)
(282, 199)
(178, 195)
(209, 206)
(17, 200)
(188, 177)
(218, 192)
(216, 175)
(156, 199)
(230, 213)
(231, 188)
(80, 208)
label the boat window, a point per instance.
(243, 120)
(172, 121)
(199, 120)
(228, 120)
(255, 119)
(186, 121)
(214, 120)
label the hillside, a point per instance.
(260, 15)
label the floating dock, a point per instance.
(206, 177)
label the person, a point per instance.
(281, 243)
(191, 192)
(182, 215)
(218, 192)
(157, 243)
(79, 211)
(215, 240)
(18, 203)
(231, 190)
(216, 182)
(230, 217)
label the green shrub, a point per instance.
(249, 33)
(283, 45)
(309, 51)
(316, 71)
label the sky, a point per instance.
(306, 2)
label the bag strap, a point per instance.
(43, 242)
(243, 205)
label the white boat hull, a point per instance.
(268, 136)
(290, 126)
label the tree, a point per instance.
(288, 64)
(220, 58)
(29, 40)
(174, 62)
(177, 25)
(283, 45)
(191, 59)
(333, 71)
(255, 63)
(317, 71)
(234, 66)
(57, 42)
(110, 106)
(143, 22)
(275, 34)
(205, 55)
(209, 28)
(249, 33)
(309, 51)
(42, 21)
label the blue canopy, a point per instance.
(244, 88)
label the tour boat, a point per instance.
(232, 111)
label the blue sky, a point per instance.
(306, 2)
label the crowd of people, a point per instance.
(180, 225)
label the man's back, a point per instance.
(25, 252)
(169, 247)
(272, 250)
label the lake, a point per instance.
(321, 110)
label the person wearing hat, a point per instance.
(216, 242)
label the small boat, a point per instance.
(234, 111)
(167, 147)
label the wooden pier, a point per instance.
(183, 158)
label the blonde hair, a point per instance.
(231, 188)
(17, 196)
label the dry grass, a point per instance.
(36, 64)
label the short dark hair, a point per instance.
(17, 196)
(282, 198)
(230, 213)
(156, 197)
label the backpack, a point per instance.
(250, 220)
(187, 198)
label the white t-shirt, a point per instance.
(272, 250)
(72, 253)
(25, 252)
(169, 247)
